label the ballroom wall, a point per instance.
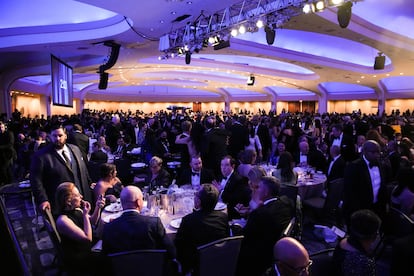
(37, 105)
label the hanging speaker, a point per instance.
(103, 80)
(113, 57)
(344, 14)
(270, 35)
(379, 62)
(187, 57)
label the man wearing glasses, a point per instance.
(291, 258)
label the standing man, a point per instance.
(344, 141)
(196, 174)
(7, 154)
(234, 189)
(261, 130)
(80, 139)
(365, 183)
(54, 164)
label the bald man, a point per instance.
(133, 231)
(291, 258)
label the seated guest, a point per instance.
(97, 155)
(291, 258)
(402, 196)
(104, 146)
(74, 224)
(133, 231)
(255, 175)
(109, 186)
(353, 254)
(234, 189)
(200, 227)
(157, 177)
(247, 161)
(196, 174)
(264, 228)
(284, 170)
(310, 157)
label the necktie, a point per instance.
(65, 156)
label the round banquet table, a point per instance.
(310, 185)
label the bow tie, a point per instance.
(373, 164)
(224, 178)
(336, 138)
(195, 173)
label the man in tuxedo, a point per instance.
(264, 228)
(345, 143)
(214, 144)
(337, 164)
(195, 174)
(133, 231)
(365, 183)
(97, 155)
(239, 138)
(56, 163)
(262, 132)
(310, 157)
(80, 139)
(200, 227)
(234, 189)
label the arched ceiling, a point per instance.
(311, 54)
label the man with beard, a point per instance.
(56, 163)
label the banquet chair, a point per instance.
(289, 228)
(322, 262)
(327, 210)
(149, 262)
(291, 192)
(50, 225)
(218, 258)
(396, 225)
(123, 167)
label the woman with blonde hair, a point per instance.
(74, 224)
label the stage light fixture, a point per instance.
(250, 80)
(344, 14)
(320, 6)
(308, 8)
(270, 35)
(259, 23)
(242, 29)
(234, 32)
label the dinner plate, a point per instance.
(111, 217)
(24, 184)
(220, 206)
(138, 165)
(113, 207)
(175, 223)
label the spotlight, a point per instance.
(320, 5)
(259, 23)
(344, 14)
(308, 8)
(187, 57)
(250, 80)
(242, 29)
(234, 32)
(270, 35)
(222, 44)
(379, 61)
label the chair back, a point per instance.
(322, 262)
(289, 228)
(50, 225)
(334, 195)
(218, 258)
(123, 168)
(290, 192)
(150, 262)
(398, 224)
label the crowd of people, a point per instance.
(221, 156)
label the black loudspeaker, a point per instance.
(112, 57)
(344, 14)
(187, 57)
(379, 62)
(270, 35)
(103, 80)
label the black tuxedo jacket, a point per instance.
(236, 191)
(48, 170)
(264, 227)
(239, 139)
(337, 170)
(315, 159)
(82, 141)
(133, 231)
(348, 151)
(358, 192)
(99, 157)
(206, 176)
(199, 228)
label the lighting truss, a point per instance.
(216, 28)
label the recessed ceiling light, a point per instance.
(189, 2)
(173, 12)
(162, 21)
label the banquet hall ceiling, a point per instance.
(311, 55)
